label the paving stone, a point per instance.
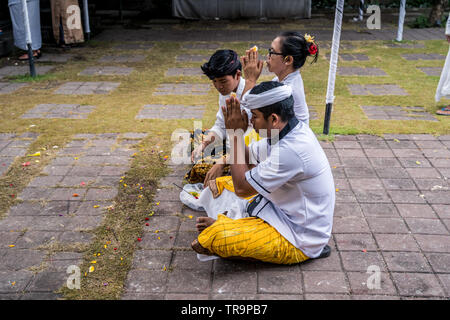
(423, 56)
(431, 71)
(325, 282)
(171, 112)
(187, 260)
(74, 194)
(354, 241)
(387, 225)
(359, 284)
(34, 239)
(45, 181)
(192, 281)
(48, 281)
(279, 282)
(182, 89)
(399, 184)
(146, 281)
(6, 87)
(396, 113)
(379, 210)
(433, 243)
(350, 225)
(443, 211)
(106, 71)
(71, 237)
(133, 46)
(183, 72)
(358, 71)
(152, 259)
(17, 259)
(50, 57)
(101, 194)
(201, 46)
(191, 58)
(122, 58)
(439, 261)
(405, 45)
(360, 172)
(23, 70)
(416, 211)
(426, 226)
(92, 208)
(331, 263)
(417, 284)
(406, 196)
(242, 282)
(36, 193)
(87, 87)
(376, 89)
(406, 262)
(20, 278)
(360, 261)
(347, 209)
(91, 171)
(350, 57)
(396, 242)
(150, 240)
(437, 197)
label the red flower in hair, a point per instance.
(312, 49)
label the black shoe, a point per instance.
(326, 251)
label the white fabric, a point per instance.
(219, 125)
(227, 201)
(19, 30)
(255, 101)
(443, 88)
(188, 199)
(295, 81)
(335, 51)
(297, 189)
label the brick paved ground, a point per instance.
(392, 210)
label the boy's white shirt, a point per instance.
(219, 125)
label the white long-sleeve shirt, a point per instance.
(295, 80)
(219, 125)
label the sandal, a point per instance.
(445, 111)
(36, 55)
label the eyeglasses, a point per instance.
(271, 52)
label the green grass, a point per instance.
(116, 112)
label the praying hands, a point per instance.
(235, 118)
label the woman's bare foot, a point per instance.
(199, 249)
(203, 223)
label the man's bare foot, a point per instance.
(199, 249)
(203, 223)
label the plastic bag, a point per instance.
(191, 196)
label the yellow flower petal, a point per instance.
(11, 245)
(93, 261)
(96, 206)
(91, 269)
(190, 216)
(37, 154)
(418, 162)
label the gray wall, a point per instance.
(234, 9)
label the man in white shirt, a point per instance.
(290, 220)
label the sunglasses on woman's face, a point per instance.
(271, 52)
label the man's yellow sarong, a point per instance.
(250, 238)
